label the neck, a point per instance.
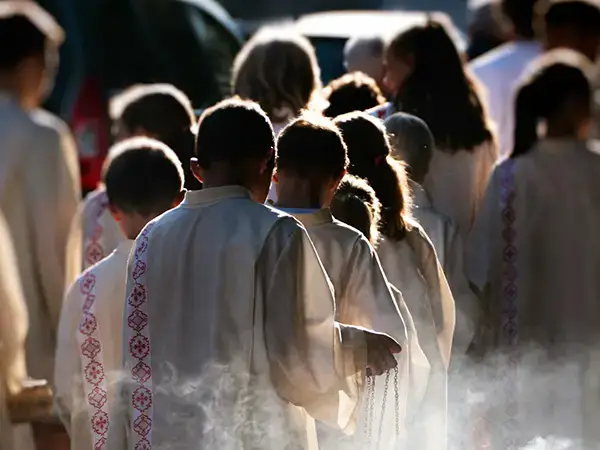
(223, 177)
(298, 194)
(10, 83)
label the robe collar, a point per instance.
(124, 248)
(310, 218)
(212, 195)
(420, 198)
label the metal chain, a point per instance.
(381, 418)
(397, 396)
(369, 400)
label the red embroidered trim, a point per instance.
(139, 348)
(94, 251)
(94, 378)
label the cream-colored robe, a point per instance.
(444, 236)
(229, 323)
(364, 299)
(535, 253)
(13, 331)
(39, 194)
(412, 264)
(456, 183)
(101, 233)
(89, 354)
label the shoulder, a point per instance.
(495, 59)
(49, 123)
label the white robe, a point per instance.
(89, 353)
(229, 323)
(100, 232)
(364, 299)
(39, 194)
(535, 253)
(500, 71)
(412, 264)
(13, 331)
(446, 240)
(456, 183)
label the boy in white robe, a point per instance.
(230, 332)
(143, 178)
(412, 143)
(311, 161)
(39, 175)
(13, 331)
(159, 111)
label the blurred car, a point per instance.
(329, 31)
(112, 44)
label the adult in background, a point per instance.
(486, 29)
(365, 54)
(426, 73)
(278, 69)
(354, 91)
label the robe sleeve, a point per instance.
(13, 316)
(314, 363)
(68, 386)
(55, 200)
(367, 300)
(466, 303)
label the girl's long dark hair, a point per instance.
(369, 154)
(438, 89)
(559, 78)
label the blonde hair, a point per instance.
(278, 69)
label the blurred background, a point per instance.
(112, 44)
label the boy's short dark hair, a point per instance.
(161, 110)
(21, 39)
(142, 176)
(521, 14)
(233, 130)
(352, 92)
(584, 15)
(311, 145)
(412, 142)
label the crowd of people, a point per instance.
(406, 258)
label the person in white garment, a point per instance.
(535, 255)
(354, 91)
(499, 70)
(311, 161)
(230, 335)
(413, 144)
(13, 331)
(465, 151)
(39, 175)
(278, 69)
(159, 111)
(409, 261)
(143, 179)
(365, 54)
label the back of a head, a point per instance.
(352, 92)
(521, 15)
(311, 146)
(142, 176)
(21, 40)
(574, 24)
(278, 69)
(565, 74)
(412, 142)
(438, 89)
(162, 112)
(356, 204)
(232, 131)
(486, 29)
(369, 153)
(364, 54)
